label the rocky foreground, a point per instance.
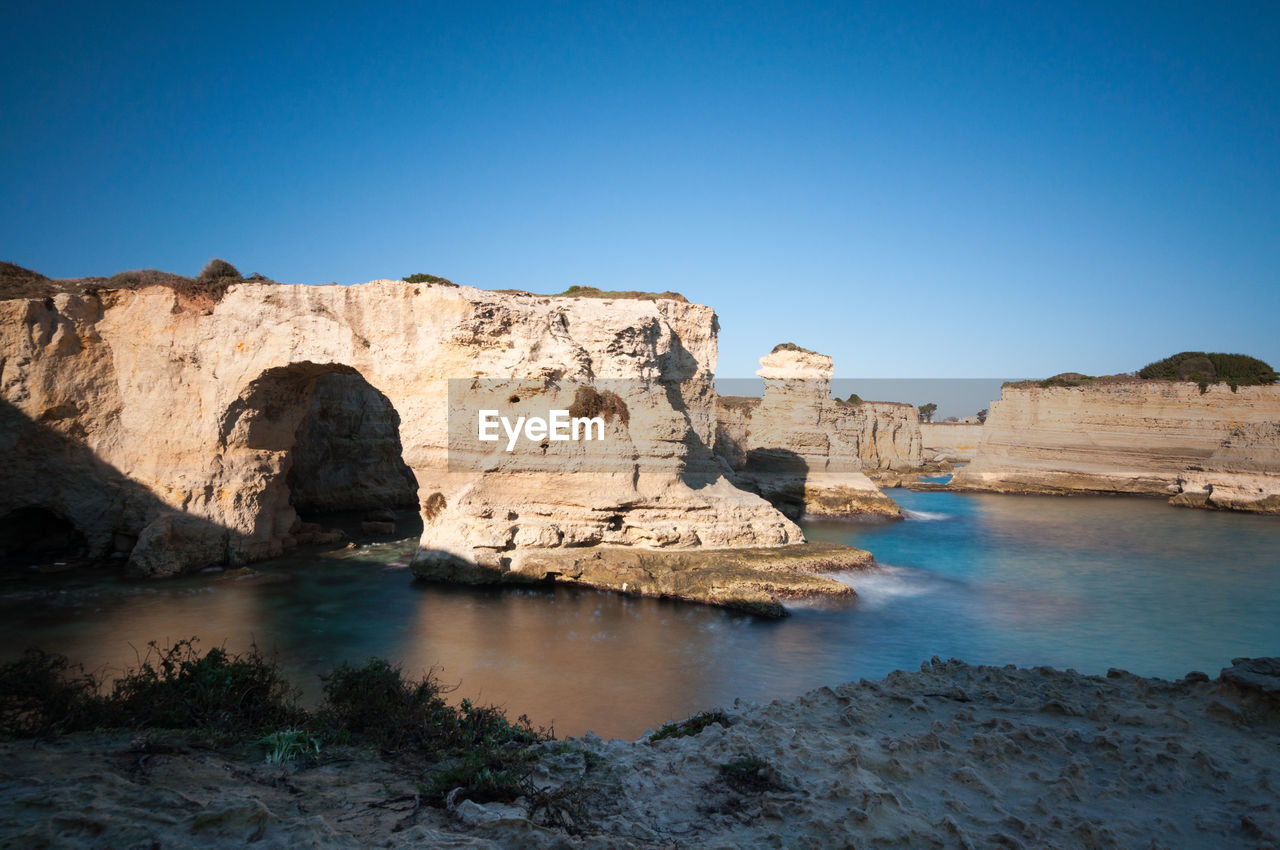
(951, 756)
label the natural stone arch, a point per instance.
(296, 420)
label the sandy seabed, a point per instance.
(952, 756)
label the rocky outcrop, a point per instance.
(164, 422)
(1242, 475)
(753, 580)
(950, 441)
(1123, 437)
(807, 452)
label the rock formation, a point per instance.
(163, 423)
(950, 441)
(807, 452)
(1135, 436)
(1243, 474)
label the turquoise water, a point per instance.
(1083, 582)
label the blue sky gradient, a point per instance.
(919, 190)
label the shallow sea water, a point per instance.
(1082, 582)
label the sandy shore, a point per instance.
(951, 756)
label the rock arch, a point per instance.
(308, 437)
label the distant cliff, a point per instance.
(952, 440)
(807, 452)
(1126, 436)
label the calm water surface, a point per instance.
(1082, 582)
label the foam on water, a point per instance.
(887, 583)
(926, 516)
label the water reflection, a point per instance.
(1083, 582)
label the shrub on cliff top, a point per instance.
(421, 277)
(790, 346)
(217, 269)
(1207, 368)
(632, 294)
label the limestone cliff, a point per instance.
(951, 441)
(164, 423)
(1242, 474)
(1123, 437)
(806, 452)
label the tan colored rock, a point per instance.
(806, 452)
(1243, 474)
(124, 410)
(950, 441)
(1125, 437)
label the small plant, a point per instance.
(691, 727)
(750, 774)
(982, 416)
(927, 411)
(290, 745)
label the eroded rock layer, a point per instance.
(807, 452)
(164, 423)
(1151, 437)
(1243, 474)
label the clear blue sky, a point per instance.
(932, 190)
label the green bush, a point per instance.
(217, 269)
(42, 693)
(1207, 368)
(421, 277)
(178, 688)
(630, 294)
(790, 346)
(375, 704)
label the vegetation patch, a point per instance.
(631, 294)
(750, 774)
(1235, 370)
(691, 727)
(739, 402)
(790, 346)
(589, 402)
(228, 700)
(421, 277)
(290, 745)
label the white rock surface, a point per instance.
(804, 450)
(131, 411)
(1127, 437)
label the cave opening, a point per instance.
(347, 466)
(35, 536)
(314, 450)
